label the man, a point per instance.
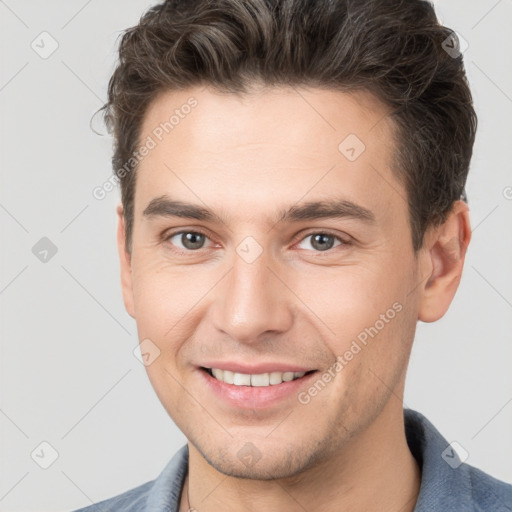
(291, 175)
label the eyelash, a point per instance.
(166, 236)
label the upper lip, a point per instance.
(255, 369)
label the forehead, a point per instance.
(278, 115)
(286, 144)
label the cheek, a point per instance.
(348, 299)
(164, 295)
(371, 327)
(380, 350)
(368, 373)
(170, 303)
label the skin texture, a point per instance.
(246, 159)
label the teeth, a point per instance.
(276, 378)
(241, 379)
(229, 377)
(287, 376)
(258, 380)
(218, 374)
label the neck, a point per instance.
(376, 472)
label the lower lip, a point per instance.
(255, 397)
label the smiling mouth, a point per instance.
(254, 380)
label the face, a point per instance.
(271, 242)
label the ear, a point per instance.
(442, 258)
(125, 262)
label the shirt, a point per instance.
(447, 484)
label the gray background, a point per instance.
(68, 373)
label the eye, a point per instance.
(189, 240)
(322, 241)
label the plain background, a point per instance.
(68, 373)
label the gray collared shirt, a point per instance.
(447, 485)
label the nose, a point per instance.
(252, 301)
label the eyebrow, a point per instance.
(164, 206)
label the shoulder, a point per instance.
(163, 493)
(489, 493)
(447, 482)
(133, 500)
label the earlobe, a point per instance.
(125, 264)
(443, 261)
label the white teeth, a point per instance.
(260, 380)
(218, 374)
(257, 380)
(276, 378)
(241, 379)
(228, 377)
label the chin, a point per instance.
(250, 463)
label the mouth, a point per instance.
(260, 380)
(265, 387)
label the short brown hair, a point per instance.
(391, 48)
